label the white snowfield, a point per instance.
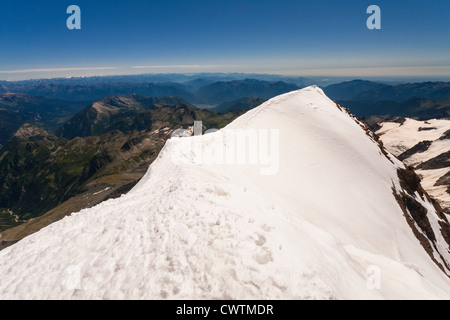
(325, 226)
(398, 138)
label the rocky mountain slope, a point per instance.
(124, 113)
(40, 170)
(17, 109)
(44, 177)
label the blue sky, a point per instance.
(321, 37)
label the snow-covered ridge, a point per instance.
(325, 226)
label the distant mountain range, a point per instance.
(199, 91)
(424, 100)
(420, 108)
(363, 98)
(192, 80)
(351, 89)
(98, 91)
(238, 105)
(220, 92)
(404, 92)
(361, 90)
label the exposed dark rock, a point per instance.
(444, 180)
(424, 241)
(374, 122)
(417, 215)
(130, 143)
(409, 181)
(418, 148)
(427, 128)
(445, 136)
(121, 190)
(5, 244)
(439, 162)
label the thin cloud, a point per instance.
(430, 71)
(184, 66)
(54, 70)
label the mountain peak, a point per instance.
(313, 88)
(27, 131)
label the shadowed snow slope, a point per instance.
(321, 223)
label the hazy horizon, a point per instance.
(318, 80)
